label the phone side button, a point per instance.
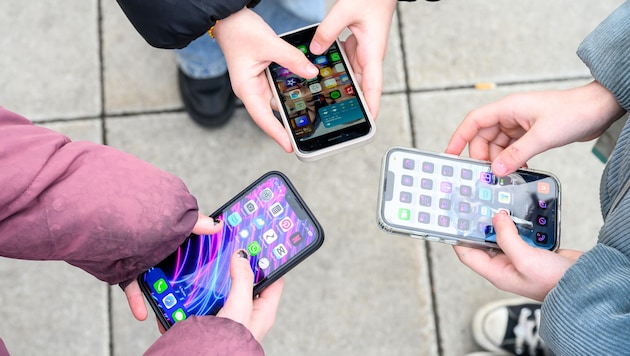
(450, 242)
(433, 238)
(418, 236)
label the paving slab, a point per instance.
(49, 65)
(459, 43)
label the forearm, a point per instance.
(90, 205)
(605, 51)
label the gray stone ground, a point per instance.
(77, 66)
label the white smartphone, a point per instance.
(450, 199)
(326, 114)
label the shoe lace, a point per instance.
(526, 332)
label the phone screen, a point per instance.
(268, 219)
(325, 110)
(444, 196)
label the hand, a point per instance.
(249, 46)
(512, 130)
(370, 22)
(522, 269)
(205, 225)
(259, 314)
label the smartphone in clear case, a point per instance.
(326, 114)
(450, 199)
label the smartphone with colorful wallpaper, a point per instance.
(269, 219)
(326, 114)
(450, 199)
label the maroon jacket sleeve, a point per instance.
(206, 335)
(90, 205)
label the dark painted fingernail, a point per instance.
(217, 221)
(243, 254)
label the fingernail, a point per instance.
(316, 47)
(242, 254)
(217, 221)
(312, 71)
(499, 167)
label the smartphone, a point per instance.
(450, 199)
(326, 114)
(269, 219)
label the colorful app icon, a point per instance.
(296, 239)
(404, 214)
(349, 90)
(463, 224)
(299, 105)
(408, 164)
(276, 209)
(486, 177)
(335, 94)
(504, 198)
(446, 187)
(465, 190)
(426, 183)
(321, 60)
(428, 167)
(334, 56)
(330, 83)
(447, 171)
(286, 224)
(405, 197)
(541, 238)
(160, 286)
(284, 72)
(485, 194)
(270, 236)
(339, 68)
(444, 221)
(543, 188)
(425, 200)
(243, 234)
(253, 248)
(259, 222)
(169, 301)
(344, 79)
(505, 181)
(234, 218)
(301, 121)
(464, 207)
(541, 220)
(280, 251)
(542, 204)
(325, 72)
(266, 194)
(295, 93)
(303, 48)
(485, 211)
(250, 207)
(445, 204)
(179, 315)
(315, 88)
(406, 180)
(424, 217)
(290, 82)
(466, 173)
(263, 263)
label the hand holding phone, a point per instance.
(268, 219)
(326, 114)
(450, 199)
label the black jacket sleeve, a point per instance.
(173, 23)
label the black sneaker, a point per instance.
(510, 327)
(209, 102)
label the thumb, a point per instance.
(508, 239)
(516, 155)
(238, 305)
(292, 58)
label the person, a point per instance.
(585, 306)
(204, 83)
(114, 216)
